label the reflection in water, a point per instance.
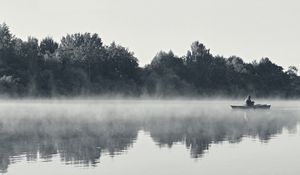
(199, 132)
(77, 141)
(81, 138)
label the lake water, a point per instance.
(112, 137)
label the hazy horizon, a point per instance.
(248, 29)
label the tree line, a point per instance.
(82, 65)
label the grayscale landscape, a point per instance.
(149, 87)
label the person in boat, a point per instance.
(249, 102)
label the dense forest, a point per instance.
(82, 65)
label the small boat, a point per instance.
(258, 106)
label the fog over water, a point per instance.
(147, 136)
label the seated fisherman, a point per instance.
(249, 102)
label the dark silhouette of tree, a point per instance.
(121, 71)
(79, 54)
(8, 80)
(199, 63)
(271, 78)
(166, 75)
(48, 46)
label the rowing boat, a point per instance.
(258, 106)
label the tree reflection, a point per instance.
(199, 132)
(75, 140)
(78, 140)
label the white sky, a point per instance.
(250, 29)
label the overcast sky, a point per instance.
(250, 29)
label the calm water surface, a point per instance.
(134, 137)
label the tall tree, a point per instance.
(122, 68)
(166, 75)
(80, 56)
(199, 63)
